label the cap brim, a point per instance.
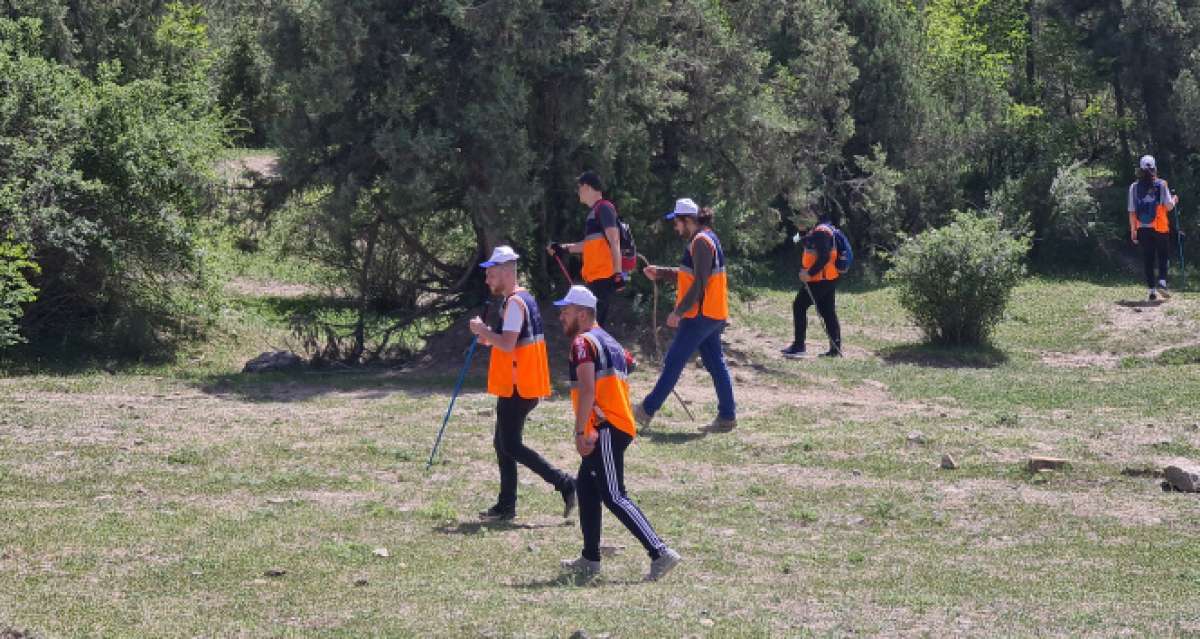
(562, 303)
(491, 263)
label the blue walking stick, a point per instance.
(457, 387)
(1179, 235)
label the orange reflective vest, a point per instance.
(612, 385)
(829, 272)
(526, 367)
(597, 256)
(714, 300)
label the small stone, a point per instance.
(916, 437)
(275, 572)
(1183, 477)
(360, 582)
(1038, 463)
(196, 573)
(531, 548)
(948, 462)
(103, 498)
(381, 552)
(139, 442)
(855, 472)
(707, 623)
(580, 634)
(277, 500)
(60, 453)
(259, 582)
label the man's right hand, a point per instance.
(650, 272)
(1133, 236)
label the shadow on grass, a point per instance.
(1139, 303)
(572, 580)
(476, 527)
(931, 356)
(304, 384)
(672, 437)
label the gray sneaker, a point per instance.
(667, 560)
(719, 425)
(585, 568)
(1162, 290)
(642, 417)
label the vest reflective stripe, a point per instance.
(714, 303)
(526, 367)
(829, 272)
(597, 257)
(612, 385)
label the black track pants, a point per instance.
(1155, 247)
(602, 481)
(825, 293)
(510, 450)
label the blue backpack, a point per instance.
(845, 254)
(1147, 202)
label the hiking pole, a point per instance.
(457, 387)
(657, 345)
(836, 346)
(1179, 237)
(563, 268)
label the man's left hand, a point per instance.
(805, 277)
(673, 320)
(477, 326)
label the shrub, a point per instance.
(15, 290)
(955, 281)
(106, 181)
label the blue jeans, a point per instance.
(695, 333)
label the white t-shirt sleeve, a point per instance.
(514, 317)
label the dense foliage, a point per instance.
(103, 179)
(15, 289)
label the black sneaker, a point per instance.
(498, 513)
(1153, 295)
(833, 352)
(569, 500)
(793, 352)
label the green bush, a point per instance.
(955, 281)
(106, 182)
(15, 290)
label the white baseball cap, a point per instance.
(578, 296)
(684, 207)
(1147, 163)
(500, 255)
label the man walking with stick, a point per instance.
(604, 429)
(1149, 201)
(818, 287)
(601, 245)
(518, 375)
(701, 313)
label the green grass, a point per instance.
(155, 501)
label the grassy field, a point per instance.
(190, 500)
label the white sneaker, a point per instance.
(641, 417)
(1162, 290)
(1153, 296)
(667, 560)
